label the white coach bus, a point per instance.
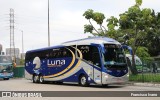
(97, 60)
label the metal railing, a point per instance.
(149, 71)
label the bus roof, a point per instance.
(88, 41)
(46, 48)
(85, 41)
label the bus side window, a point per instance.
(86, 52)
(90, 54)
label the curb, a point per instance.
(145, 84)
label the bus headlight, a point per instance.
(89, 78)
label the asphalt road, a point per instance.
(27, 85)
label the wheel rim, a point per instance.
(83, 80)
(35, 78)
(41, 79)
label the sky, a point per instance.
(66, 20)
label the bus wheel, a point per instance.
(104, 85)
(59, 82)
(83, 81)
(41, 79)
(35, 78)
(6, 79)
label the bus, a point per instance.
(138, 62)
(97, 60)
(141, 67)
(6, 67)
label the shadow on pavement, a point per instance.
(90, 86)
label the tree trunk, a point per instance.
(133, 67)
(93, 26)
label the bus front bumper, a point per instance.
(6, 75)
(108, 79)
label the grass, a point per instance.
(145, 77)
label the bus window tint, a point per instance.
(114, 56)
(51, 53)
(86, 53)
(90, 54)
(59, 53)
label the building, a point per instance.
(1, 53)
(17, 52)
(23, 55)
(0, 48)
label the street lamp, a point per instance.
(48, 26)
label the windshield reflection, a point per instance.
(5, 59)
(114, 56)
(5, 68)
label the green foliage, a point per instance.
(152, 40)
(88, 14)
(142, 52)
(135, 23)
(138, 2)
(98, 17)
(22, 62)
(145, 77)
(137, 27)
(112, 22)
(88, 28)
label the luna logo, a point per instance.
(56, 63)
(37, 62)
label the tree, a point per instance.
(136, 23)
(112, 23)
(136, 27)
(90, 15)
(153, 37)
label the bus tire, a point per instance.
(83, 81)
(41, 79)
(104, 85)
(35, 78)
(59, 83)
(6, 79)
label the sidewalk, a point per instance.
(145, 84)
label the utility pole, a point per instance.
(12, 43)
(22, 45)
(48, 26)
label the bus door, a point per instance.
(96, 59)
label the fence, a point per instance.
(18, 71)
(149, 71)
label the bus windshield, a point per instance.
(5, 59)
(5, 68)
(5, 64)
(114, 56)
